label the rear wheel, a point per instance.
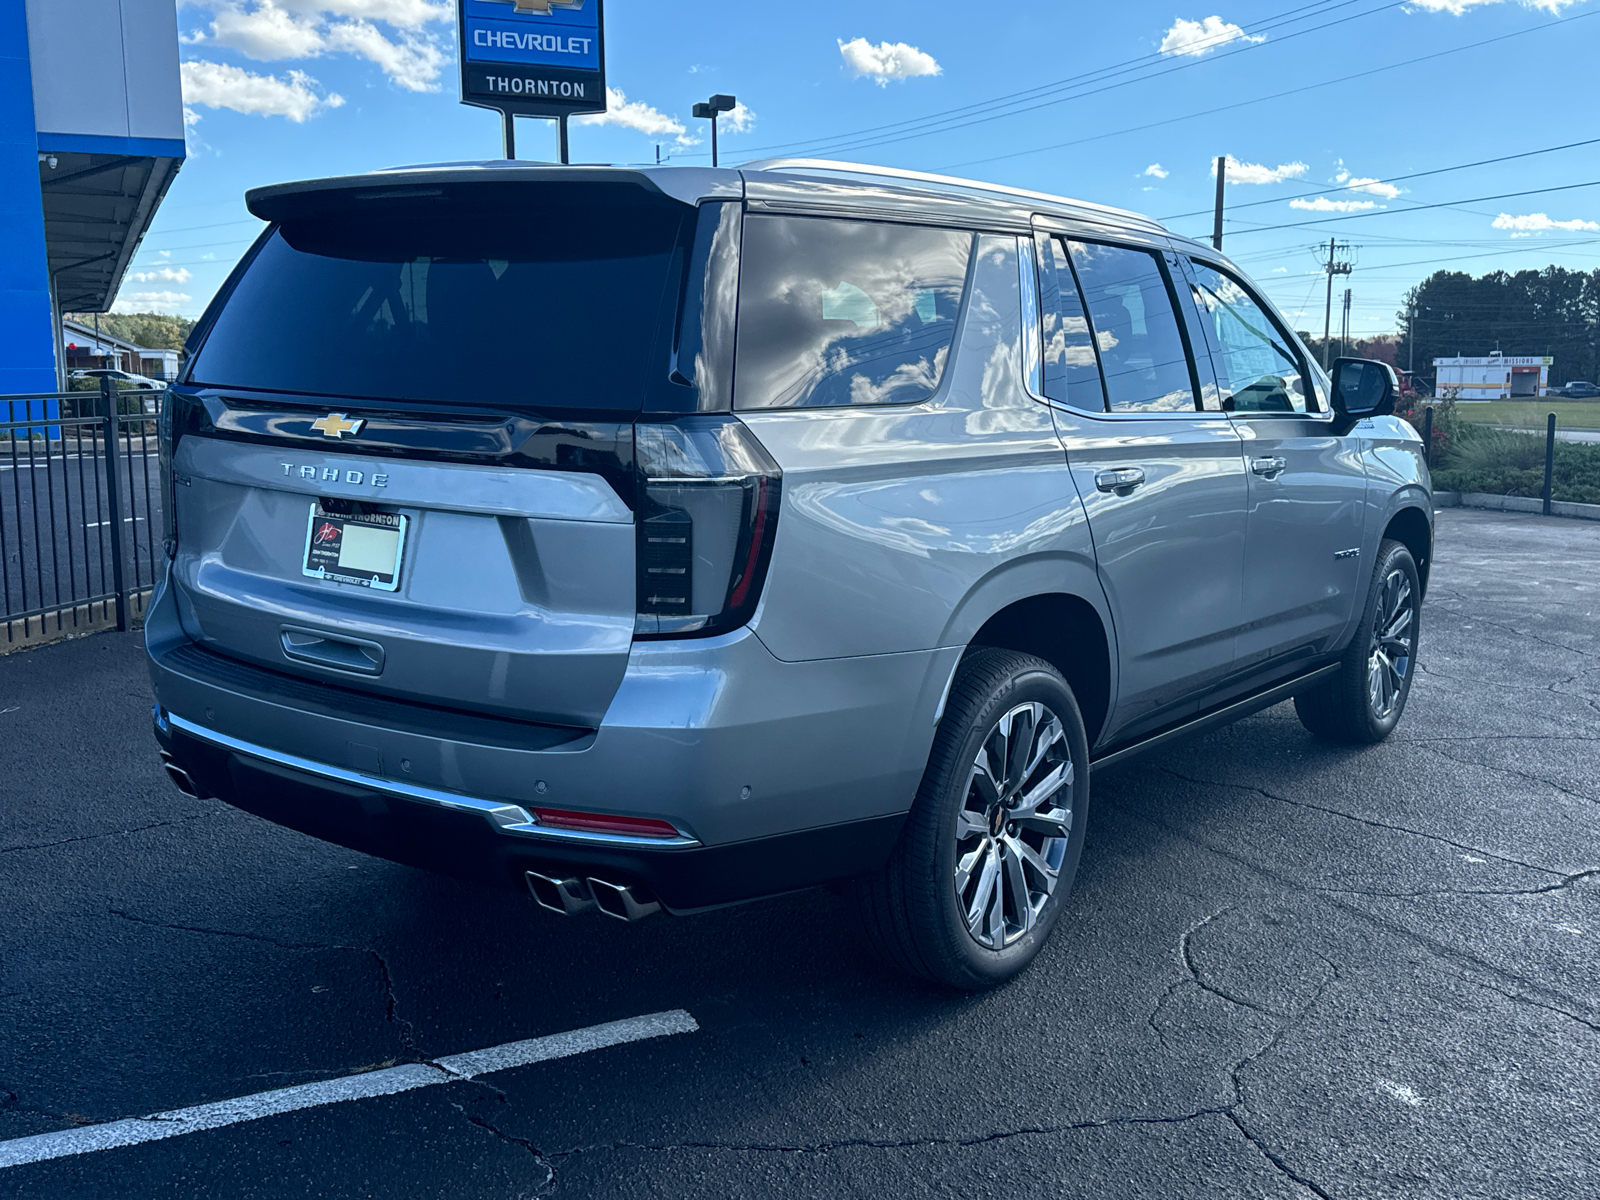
(1363, 702)
(991, 846)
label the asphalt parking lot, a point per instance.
(1288, 970)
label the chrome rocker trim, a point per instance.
(504, 816)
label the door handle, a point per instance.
(1267, 466)
(1120, 480)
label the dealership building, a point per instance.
(1493, 377)
(91, 137)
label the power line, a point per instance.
(1482, 162)
(1216, 41)
(1409, 62)
(1389, 212)
(844, 145)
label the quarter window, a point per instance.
(835, 313)
(1258, 368)
(1142, 353)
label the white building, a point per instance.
(86, 348)
(1495, 377)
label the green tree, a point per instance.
(1553, 312)
(153, 331)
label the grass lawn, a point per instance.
(1530, 414)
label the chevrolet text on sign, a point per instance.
(534, 57)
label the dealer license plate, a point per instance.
(363, 549)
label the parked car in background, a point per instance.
(124, 379)
(839, 524)
(1579, 389)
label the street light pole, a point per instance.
(709, 110)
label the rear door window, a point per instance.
(835, 313)
(1258, 367)
(1142, 351)
(1071, 366)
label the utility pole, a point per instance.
(1411, 339)
(1222, 176)
(1344, 325)
(1333, 267)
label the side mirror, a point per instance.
(1362, 388)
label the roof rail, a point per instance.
(864, 169)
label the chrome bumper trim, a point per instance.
(504, 816)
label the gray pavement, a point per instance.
(1288, 970)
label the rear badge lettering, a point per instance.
(334, 475)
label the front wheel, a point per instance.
(991, 846)
(1363, 702)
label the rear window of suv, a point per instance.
(558, 306)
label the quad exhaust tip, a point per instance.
(570, 897)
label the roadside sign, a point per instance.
(534, 58)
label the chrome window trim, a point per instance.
(504, 816)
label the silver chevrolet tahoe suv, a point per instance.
(665, 538)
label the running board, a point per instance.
(1225, 715)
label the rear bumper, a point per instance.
(777, 775)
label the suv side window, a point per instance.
(1071, 367)
(1142, 351)
(835, 313)
(1259, 368)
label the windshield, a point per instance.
(549, 304)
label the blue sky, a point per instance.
(1115, 106)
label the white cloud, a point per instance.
(1323, 204)
(1243, 172)
(405, 14)
(1194, 38)
(1373, 187)
(886, 60)
(165, 274)
(151, 302)
(1458, 7)
(265, 33)
(639, 116)
(1157, 171)
(413, 63)
(272, 30)
(738, 119)
(218, 85)
(1543, 223)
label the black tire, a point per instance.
(1345, 708)
(910, 909)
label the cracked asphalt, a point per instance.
(1288, 970)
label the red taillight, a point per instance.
(648, 827)
(707, 511)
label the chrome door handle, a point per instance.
(1267, 466)
(1120, 480)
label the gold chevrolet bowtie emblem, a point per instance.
(335, 425)
(542, 7)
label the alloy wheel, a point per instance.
(1014, 825)
(1393, 637)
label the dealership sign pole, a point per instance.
(533, 58)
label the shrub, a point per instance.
(1505, 463)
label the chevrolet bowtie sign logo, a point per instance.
(336, 425)
(541, 7)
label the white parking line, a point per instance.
(389, 1082)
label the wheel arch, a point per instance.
(1411, 527)
(1068, 633)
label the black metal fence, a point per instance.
(80, 512)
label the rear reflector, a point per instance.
(647, 827)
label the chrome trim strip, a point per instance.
(503, 815)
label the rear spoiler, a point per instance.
(284, 201)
